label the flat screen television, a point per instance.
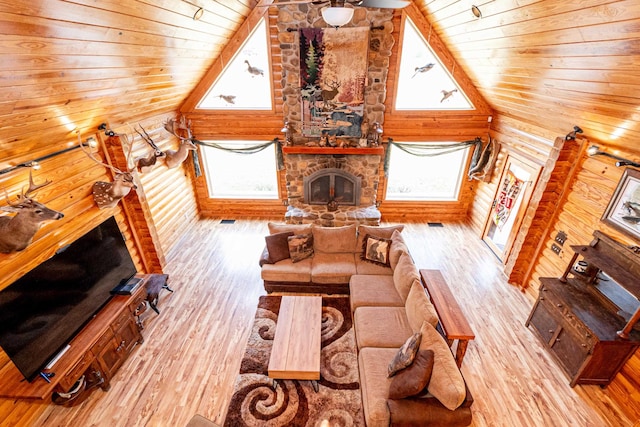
(42, 311)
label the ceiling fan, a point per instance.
(338, 15)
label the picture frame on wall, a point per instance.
(623, 211)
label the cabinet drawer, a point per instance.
(106, 337)
(583, 334)
(551, 300)
(76, 372)
(124, 317)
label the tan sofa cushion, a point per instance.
(384, 232)
(332, 267)
(295, 228)
(446, 384)
(366, 267)
(381, 327)
(419, 308)
(398, 247)
(287, 271)
(374, 383)
(404, 275)
(334, 239)
(366, 290)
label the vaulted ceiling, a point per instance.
(69, 65)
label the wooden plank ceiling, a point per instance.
(72, 64)
(552, 64)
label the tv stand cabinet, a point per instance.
(101, 346)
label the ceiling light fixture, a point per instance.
(337, 16)
(594, 150)
(198, 14)
(476, 11)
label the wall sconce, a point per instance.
(594, 150)
(571, 136)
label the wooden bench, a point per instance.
(453, 325)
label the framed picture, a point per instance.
(623, 212)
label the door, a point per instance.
(509, 205)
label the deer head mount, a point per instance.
(146, 164)
(176, 157)
(16, 233)
(108, 194)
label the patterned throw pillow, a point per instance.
(405, 354)
(376, 250)
(300, 246)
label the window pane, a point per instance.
(425, 178)
(241, 176)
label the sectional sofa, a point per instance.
(392, 314)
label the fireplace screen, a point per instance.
(332, 184)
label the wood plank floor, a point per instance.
(191, 354)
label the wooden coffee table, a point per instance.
(296, 346)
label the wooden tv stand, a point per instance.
(101, 346)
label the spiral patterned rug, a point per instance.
(294, 403)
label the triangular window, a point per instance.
(244, 84)
(423, 82)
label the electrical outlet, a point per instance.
(557, 249)
(561, 237)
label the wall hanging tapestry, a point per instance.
(507, 197)
(333, 74)
(255, 402)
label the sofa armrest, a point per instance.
(264, 257)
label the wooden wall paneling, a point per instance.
(557, 175)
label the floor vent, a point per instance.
(227, 221)
(435, 224)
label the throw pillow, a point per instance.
(446, 383)
(376, 250)
(376, 231)
(405, 354)
(278, 246)
(413, 379)
(300, 246)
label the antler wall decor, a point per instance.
(16, 233)
(108, 194)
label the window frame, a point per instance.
(461, 174)
(209, 174)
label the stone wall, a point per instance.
(381, 41)
(291, 18)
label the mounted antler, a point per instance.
(16, 233)
(108, 194)
(146, 164)
(176, 157)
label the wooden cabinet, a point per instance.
(581, 320)
(97, 351)
(115, 345)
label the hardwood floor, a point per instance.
(191, 354)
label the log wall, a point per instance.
(573, 200)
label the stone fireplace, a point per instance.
(315, 178)
(349, 176)
(332, 185)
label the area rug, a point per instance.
(294, 403)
